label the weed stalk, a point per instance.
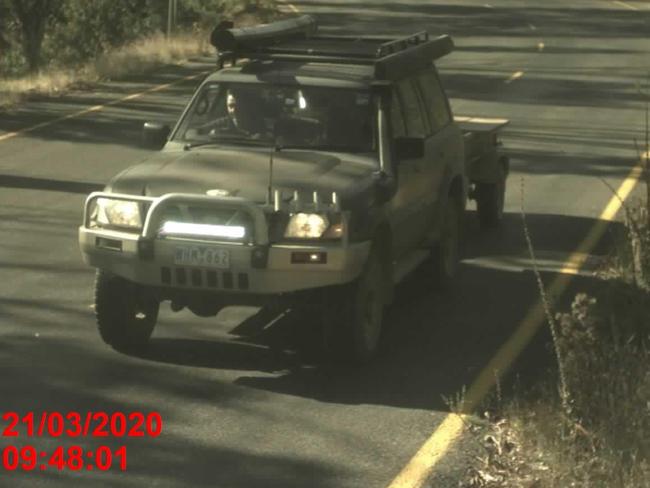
(564, 392)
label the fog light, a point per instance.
(303, 257)
(112, 244)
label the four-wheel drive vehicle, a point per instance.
(322, 170)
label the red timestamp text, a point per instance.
(73, 458)
(76, 424)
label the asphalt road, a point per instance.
(240, 408)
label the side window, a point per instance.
(435, 100)
(411, 105)
(396, 117)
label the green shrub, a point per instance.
(76, 31)
(84, 29)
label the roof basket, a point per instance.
(297, 40)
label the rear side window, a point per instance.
(411, 105)
(435, 100)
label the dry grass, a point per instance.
(149, 53)
(138, 57)
(599, 435)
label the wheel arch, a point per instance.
(457, 190)
(382, 243)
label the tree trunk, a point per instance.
(33, 16)
(33, 32)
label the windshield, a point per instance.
(289, 116)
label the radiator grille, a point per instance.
(200, 278)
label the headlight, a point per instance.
(306, 226)
(120, 213)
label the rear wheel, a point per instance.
(490, 198)
(126, 314)
(354, 314)
(445, 255)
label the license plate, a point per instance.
(202, 256)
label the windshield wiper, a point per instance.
(192, 145)
(329, 148)
(236, 141)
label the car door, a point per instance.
(443, 147)
(408, 119)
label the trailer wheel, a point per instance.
(354, 314)
(126, 316)
(490, 198)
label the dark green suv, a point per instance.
(320, 170)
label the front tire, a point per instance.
(126, 315)
(354, 314)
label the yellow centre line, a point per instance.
(98, 108)
(416, 472)
(515, 76)
(626, 5)
(291, 7)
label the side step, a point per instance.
(408, 264)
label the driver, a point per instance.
(236, 121)
(228, 122)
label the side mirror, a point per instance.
(409, 148)
(155, 135)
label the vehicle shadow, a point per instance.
(223, 398)
(54, 374)
(434, 343)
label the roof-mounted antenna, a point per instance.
(276, 148)
(269, 195)
(296, 204)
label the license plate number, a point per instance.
(202, 256)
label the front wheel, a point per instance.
(354, 314)
(126, 315)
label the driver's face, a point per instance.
(231, 104)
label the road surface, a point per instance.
(240, 408)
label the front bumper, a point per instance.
(149, 259)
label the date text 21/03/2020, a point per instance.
(28, 457)
(88, 424)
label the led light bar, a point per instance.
(207, 230)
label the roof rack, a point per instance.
(297, 40)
